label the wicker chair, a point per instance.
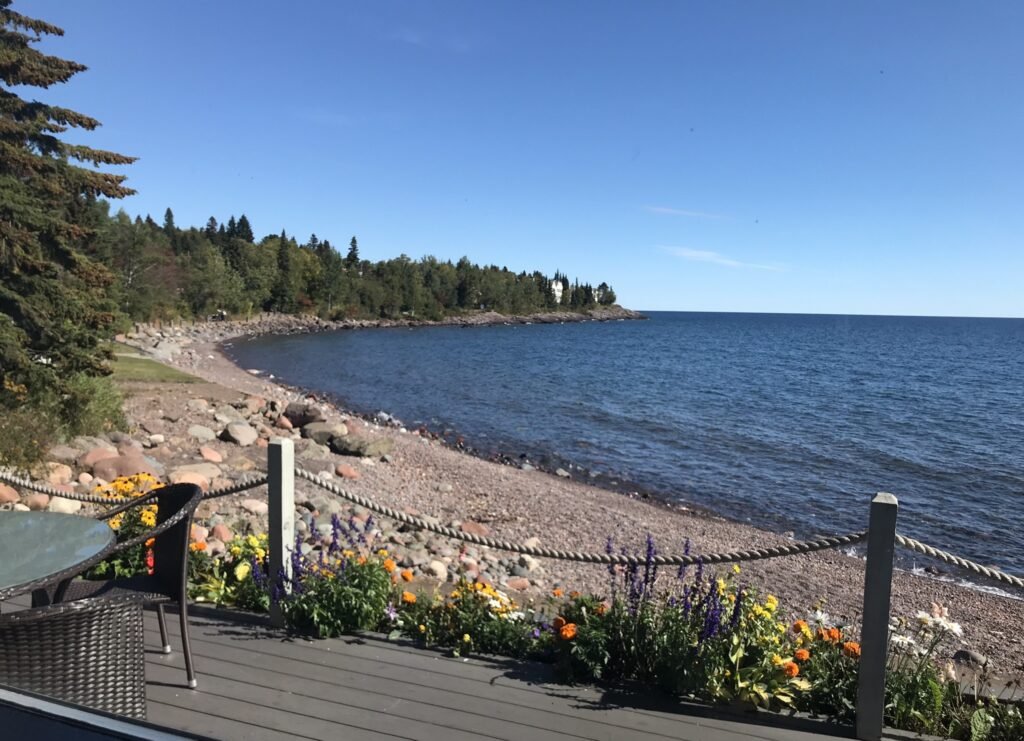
(87, 652)
(169, 580)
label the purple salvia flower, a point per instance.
(734, 621)
(683, 568)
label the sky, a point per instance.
(813, 157)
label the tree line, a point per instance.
(163, 271)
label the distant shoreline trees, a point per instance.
(164, 271)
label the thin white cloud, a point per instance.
(717, 259)
(669, 211)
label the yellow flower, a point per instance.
(735, 568)
(148, 518)
(423, 628)
(771, 603)
(777, 660)
(260, 553)
(466, 638)
(721, 587)
(382, 553)
(250, 540)
(242, 570)
(236, 551)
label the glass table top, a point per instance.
(34, 545)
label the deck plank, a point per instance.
(258, 683)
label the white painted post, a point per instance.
(281, 499)
(875, 628)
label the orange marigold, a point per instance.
(601, 609)
(790, 669)
(558, 623)
(834, 635)
(409, 598)
(389, 565)
(557, 592)
(567, 631)
(799, 626)
(574, 595)
(821, 634)
(851, 649)
(361, 560)
(802, 654)
(407, 575)
(199, 545)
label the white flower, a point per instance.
(902, 641)
(925, 618)
(948, 626)
(821, 618)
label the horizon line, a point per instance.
(829, 313)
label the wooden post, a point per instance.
(875, 628)
(281, 498)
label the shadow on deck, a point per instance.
(259, 683)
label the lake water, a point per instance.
(790, 422)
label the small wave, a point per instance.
(966, 584)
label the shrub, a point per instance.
(236, 579)
(337, 589)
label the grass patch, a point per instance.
(132, 368)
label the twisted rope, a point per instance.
(23, 483)
(789, 549)
(977, 568)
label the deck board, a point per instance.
(258, 683)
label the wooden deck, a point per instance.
(258, 683)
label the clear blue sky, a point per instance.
(858, 157)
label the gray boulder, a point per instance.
(202, 434)
(301, 414)
(240, 433)
(367, 447)
(324, 432)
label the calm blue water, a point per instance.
(786, 421)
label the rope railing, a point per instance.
(977, 568)
(788, 549)
(23, 483)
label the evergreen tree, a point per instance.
(211, 229)
(232, 230)
(352, 258)
(283, 297)
(169, 227)
(54, 310)
(244, 230)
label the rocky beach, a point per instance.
(215, 433)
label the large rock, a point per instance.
(197, 405)
(475, 528)
(519, 583)
(65, 506)
(58, 473)
(109, 469)
(255, 506)
(93, 456)
(37, 502)
(301, 414)
(209, 470)
(254, 404)
(241, 433)
(346, 471)
(368, 447)
(201, 433)
(64, 454)
(324, 432)
(8, 495)
(437, 569)
(211, 455)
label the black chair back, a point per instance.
(170, 549)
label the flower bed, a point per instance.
(691, 633)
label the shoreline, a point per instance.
(439, 479)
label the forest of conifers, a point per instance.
(163, 271)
